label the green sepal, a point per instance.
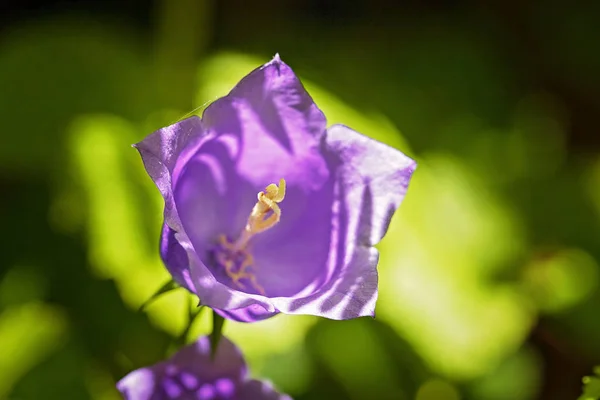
(167, 287)
(194, 312)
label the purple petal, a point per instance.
(206, 392)
(171, 388)
(189, 380)
(225, 388)
(272, 127)
(211, 196)
(351, 293)
(189, 371)
(292, 257)
(138, 385)
(195, 359)
(343, 189)
(164, 154)
(175, 258)
(372, 179)
(267, 128)
(252, 313)
(259, 390)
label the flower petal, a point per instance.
(251, 313)
(372, 181)
(266, 129)
(350, 294)
(163, 153)
(374, 178)
(175, 258)
(273, 128)
(228, 360)
(211, 197)
(138, 385)
(343, 189)
(291, 258)
(187, 372)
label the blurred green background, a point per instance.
(488, 276)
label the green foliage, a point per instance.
(591, 386)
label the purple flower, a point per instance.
(267, 210)
(191, 375)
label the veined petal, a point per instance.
(342, 190)
(162, 153)
(374, 178)
(351, 293)
(371, 182)
(267, 128)
(272, 127)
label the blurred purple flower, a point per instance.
(191, 375)
(306, 245)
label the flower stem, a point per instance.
(215, 335)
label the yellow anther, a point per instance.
(265, 213)
(267, 201)
(276, 193)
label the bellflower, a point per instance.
(267, 210)
(191, 374)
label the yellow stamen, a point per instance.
(258, 221)
(265, 214)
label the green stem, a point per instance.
(193, 312)
(216, 334)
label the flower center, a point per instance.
(234, 256)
